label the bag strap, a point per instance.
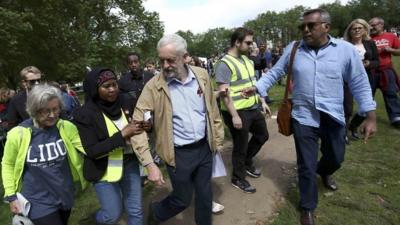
(289, 77)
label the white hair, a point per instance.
(176, 40)
(39, 96)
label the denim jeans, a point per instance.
(127, 192)
(392, 101)
(332, 136)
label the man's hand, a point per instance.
(388, 49)
(222, 93)
(265, 109)
(237, 122)
(154, 174)
(247, 92)
(15, 207)
(369, 126)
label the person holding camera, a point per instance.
(109, 161)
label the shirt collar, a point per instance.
(332, 41)
(190, 77)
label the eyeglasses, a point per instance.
(374, 24)
(47, 112)
(169, 60)
(248, 43)
(357, 28)
(310, 25)
(33, 82)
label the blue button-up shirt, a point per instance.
(188, 110)
(318, 81)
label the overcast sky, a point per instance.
(201, 15)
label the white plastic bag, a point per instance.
(218, 169)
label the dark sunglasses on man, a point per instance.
(33, 82)
(310, 25)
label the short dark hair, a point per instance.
(240, 34)
(325, 16)
(150, 61)
(132, 54)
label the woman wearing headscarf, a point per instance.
(357, 33)
(41, 160)
(110, 162)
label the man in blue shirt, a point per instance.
(321, 66)
(187, 129)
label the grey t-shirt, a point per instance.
(47, 180)
(222, 72)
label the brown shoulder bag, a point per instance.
(284, 117)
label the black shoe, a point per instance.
(307, 218)
(329, 182)
(346, 140)
(90, 220)
(355, 135)
(243, 185)
(396, 124)
(151, 217)
(253, 172)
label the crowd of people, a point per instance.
(177, 116)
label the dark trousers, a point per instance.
(243, 149)
(392, 102)
(332, 135)
(347, 103)
(192, 172)
(59, 217)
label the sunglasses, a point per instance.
(310, 25)
(33, 82)
(248, 43)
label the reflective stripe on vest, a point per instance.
(115, 158)
(243, 76)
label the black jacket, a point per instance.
(371, 54)
(131, 87)
(95, 140)
(16, 112)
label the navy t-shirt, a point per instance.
(47, 179)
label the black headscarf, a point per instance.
(91, 85)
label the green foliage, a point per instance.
(61, 38)
(213, 41)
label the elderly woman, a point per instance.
(357, 33)
(41, 160)
(110, 162)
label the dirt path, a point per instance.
(277, 160)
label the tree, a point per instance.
(61, 38)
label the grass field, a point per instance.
(369, 183)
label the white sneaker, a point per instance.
(217, 208)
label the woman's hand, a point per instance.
(146, 125)
(133, 128)
(15, 207)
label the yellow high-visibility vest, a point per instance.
(116, 157)
(243, 76)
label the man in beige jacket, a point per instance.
(188, 129)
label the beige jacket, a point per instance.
(155, 97)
